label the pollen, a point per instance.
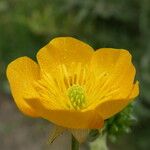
(76, 95)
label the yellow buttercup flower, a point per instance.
(72, 85)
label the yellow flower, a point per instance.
(72, 85)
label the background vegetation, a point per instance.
(26, 26)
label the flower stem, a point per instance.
(100, 143)
(75, 144)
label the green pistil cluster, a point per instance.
(77, 96)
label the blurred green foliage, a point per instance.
(25, 26)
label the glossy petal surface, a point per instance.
(114, 73)
(63, 50)
(21, 74)
(69, 118)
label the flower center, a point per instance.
(76, 95)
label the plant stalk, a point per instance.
(75, 144)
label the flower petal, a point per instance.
(115, 86)
(21, 73)
(135, 91)
(63, 50)
(114, 68)
(68, 118)
(109, 108)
